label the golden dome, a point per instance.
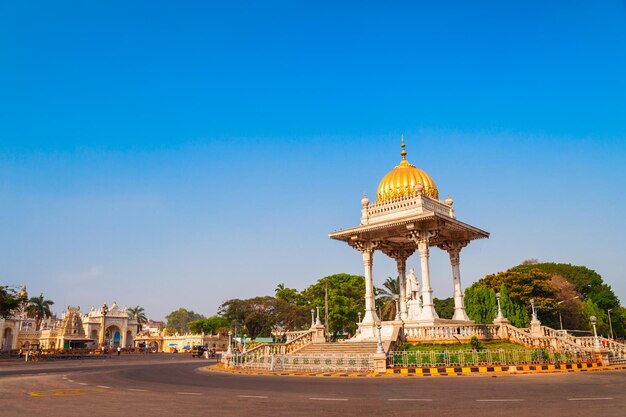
(401, 181)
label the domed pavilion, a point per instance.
(408, 217)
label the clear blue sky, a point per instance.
(174, 154)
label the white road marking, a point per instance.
(188, 393)
(102, 386)
(136, 389)
(70, 380)
(328, 399)
(501, 400)
(82, 383)
(589, 399)
(409, 399)
(252, 396)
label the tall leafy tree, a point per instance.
(178, 320)
(210, 325)
(39, 309)
(444, 307)
(9, 301)
(480, 303)
(345, 300)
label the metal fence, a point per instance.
(436, 358)
(306, 363)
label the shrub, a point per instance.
(475, 343)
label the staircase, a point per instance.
(352, 348)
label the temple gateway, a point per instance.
(408, 217)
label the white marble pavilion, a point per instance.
(408, 217)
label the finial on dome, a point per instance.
(403, 153)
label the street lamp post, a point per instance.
(104, 311)
(396, 298)
(359, 313)
(230, 343)
(610, 324)
(532, 305)
(379, 346)
(500, 315)
(596, 341)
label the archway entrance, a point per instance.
(112, 336)
(129, 339)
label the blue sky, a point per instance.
(174, 154)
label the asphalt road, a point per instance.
(172, 385)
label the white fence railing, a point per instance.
(436, 358)
(450, 332)
(306, 363)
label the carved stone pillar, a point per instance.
(367, 249)
(401, 263)
(454, 249)
(423, 239)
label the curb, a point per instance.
(428, 371)
(511, 370)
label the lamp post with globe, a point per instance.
(596, 341)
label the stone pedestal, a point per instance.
(503, 331)
(601, 355)
(535, 328)
(380, 363)
(414, 309)
(227, 360)
(319, 335)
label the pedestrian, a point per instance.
(119, 350)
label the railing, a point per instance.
(452, 332)
(436, 358)
(421, 203)
(303, 363)
(294, 335)
(265, 349)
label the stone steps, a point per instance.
(338, 348)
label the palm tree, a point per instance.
(39, 308)
(138, 314)
(385, 298)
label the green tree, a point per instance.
(210, 325)
(588, 284)
(137, 313)
(9, 302)
(263, 316)
(590, 308)
(178, 320)
(513, 310)
(345, 300)
(444, 307)
(39, 309)
(480, 303)
(289, 295)
(385, 301)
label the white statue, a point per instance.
(412, 286)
